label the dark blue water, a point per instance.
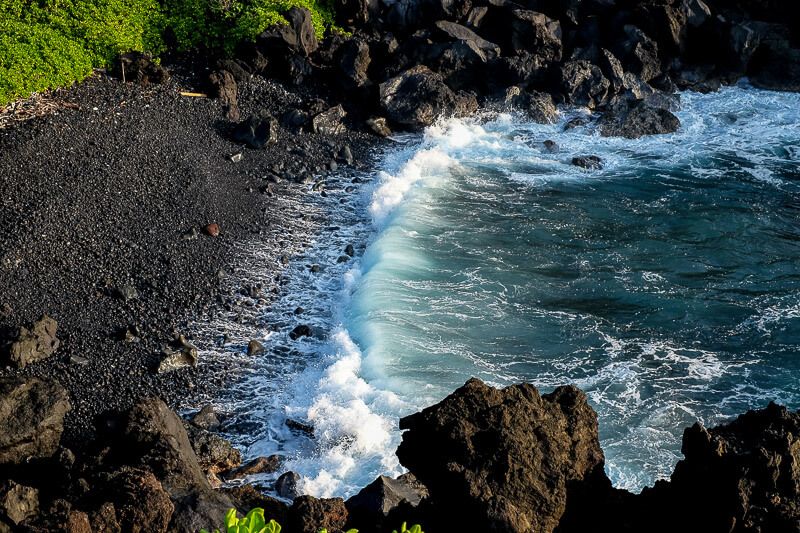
(666, 285)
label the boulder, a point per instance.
(379, 126)
(254, 347)
(329, 122)
(370, 508)
(18, 502)
(589, 162)
(153, 437)
(214, 453)
(257, 131)
(297, 36)
(456, 32)
(583, 83)
(31, 419)
(640, 54)
(300, 331)
(140, 68)
(180, 354)
(633, 118)
(538, 106)
(286, 485)
(354, 61)
(224, 87)
(308, 515)
(259, 465)
(537, 33)
(77, 522)
(503, 460)
(34, 344)
(140, 502)
(104, 519)
(206, 418)
(745, 473)
(418, 96)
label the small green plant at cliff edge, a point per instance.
(254, 522)
(416, 528)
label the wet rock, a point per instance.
(373, 504)
(350, 250)
(223, 86)
(301, 427)
(34, 344)
(259, 465)
(18, 502)
(537, 33)
(302, 330)
(632, 118)
(379, 126)
(590, 162)
(214, 453)
(550, 145)
(418, 96)
(31, 419)
(583, 83)
(254, 347)
(257, 131)
(286, 485)
(206, 418)
(308, 514)
(180, 355)
(576, 122)
(140, 68)
(537, 105)
(345, 155)
(503, 460)
(329, 122)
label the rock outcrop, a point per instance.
(503, 460)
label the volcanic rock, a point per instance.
(632, 118)
(18, 502)
(31, 419)
(583, 83)
(503, 460)
(309, 514)
(418, 96)
(257, 131)
(35, 344)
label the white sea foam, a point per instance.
(392, 336)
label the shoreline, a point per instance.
(148, 187)
(127, 231)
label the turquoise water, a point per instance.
(667, 285)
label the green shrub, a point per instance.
(255, 522)
(52, 43)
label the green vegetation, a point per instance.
(255, 522)
(52, 43)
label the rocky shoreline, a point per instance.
(125, 213)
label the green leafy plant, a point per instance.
(416, 528)
(253, 522)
